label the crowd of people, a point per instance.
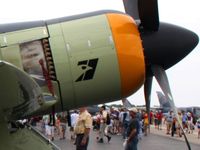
(185, 122)
(52, 128)
(120, 119)
(124, 122)
(131, 124)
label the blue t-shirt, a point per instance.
(134, 124)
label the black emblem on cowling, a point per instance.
(89, 67)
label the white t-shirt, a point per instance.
(74, 118)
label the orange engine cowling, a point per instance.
(129, 51)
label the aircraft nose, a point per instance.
(168, 45)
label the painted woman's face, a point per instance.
(31, 53)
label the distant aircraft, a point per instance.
(126, 103)
(164, 103)
(166, 107)
(88, 59)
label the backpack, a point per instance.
(108, 119)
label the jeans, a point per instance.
(125, 128)
(79, 138)
(132, 145)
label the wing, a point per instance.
(20, 95)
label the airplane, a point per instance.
(164, 103)
(126, 103)
(87, 59)
(166, 107)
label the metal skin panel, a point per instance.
(90, 40)
(12, 55)
(17, 37)
(62, 65)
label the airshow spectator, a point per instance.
(82, 129)
(125, 122)
(169, 120)
(133, 131)
(103, 125)
(74, 117)
(159, 116)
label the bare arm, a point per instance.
(132, 135)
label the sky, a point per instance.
(183, 77)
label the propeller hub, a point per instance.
(168, 45)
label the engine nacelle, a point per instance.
(84, 60)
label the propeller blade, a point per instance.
(148, 12)
(147, 95)
(131, 8)
(145, 10)
(162, 79)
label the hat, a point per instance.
(133, 109)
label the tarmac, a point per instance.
(192, 138)
(155, 140)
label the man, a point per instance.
(133, 130)
(82, 129)
(169, 119)
(125, 122)
(103, 126)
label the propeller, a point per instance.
(164, 46)
(145, 10)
